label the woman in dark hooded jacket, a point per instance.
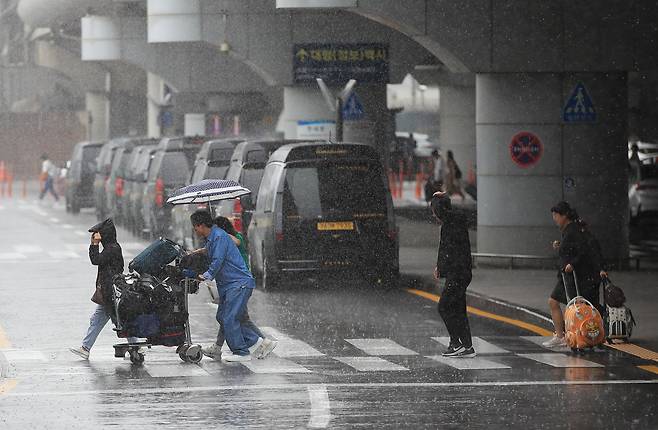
(110, 264)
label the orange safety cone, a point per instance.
(2, 178)
(10, 183)
(419, 179)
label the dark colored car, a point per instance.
(135, 191)
(212, 162)
(170, 169)
(130, 176)
(247, 165)
(322, 208)
(80, 176)
(103, 171)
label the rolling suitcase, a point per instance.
(155, 257)
(583, 325)
(619, 318)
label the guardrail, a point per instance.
(543, 261)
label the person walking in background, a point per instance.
(455, 265)
(110, 263)
(453, 177)
(49, 173)
(435, 181)
(577, 253)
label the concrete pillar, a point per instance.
(583, 163)
(154, 103)
(100, 38)
(457, 124)
(174, 21)
(98, 110)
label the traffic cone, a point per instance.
(2, 178)
(10, 183)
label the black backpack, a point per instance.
(613, 295)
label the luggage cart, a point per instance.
(187, 350)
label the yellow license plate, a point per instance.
(332, 226)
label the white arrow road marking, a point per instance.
(320, 406)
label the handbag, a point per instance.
(98, 296)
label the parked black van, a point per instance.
(80, 176)
(247, 167)
(324, 207)
(169, 170)
(212, 162)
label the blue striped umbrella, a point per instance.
(206, 191)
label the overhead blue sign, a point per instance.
(579, 107)
(353, 109)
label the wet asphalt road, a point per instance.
(349, 356)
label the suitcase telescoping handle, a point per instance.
(575, 281)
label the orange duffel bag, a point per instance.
(583, 325)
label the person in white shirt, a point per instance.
(49, 172)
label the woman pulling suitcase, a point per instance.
(580, 259)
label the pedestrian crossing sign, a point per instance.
(579, 106)
(353, 109)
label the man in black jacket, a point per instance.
(454, 264)
(110, 263)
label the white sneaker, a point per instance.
(81, 352)
(256, 347)
(213, 351)
(266, 347)
(234, 358)
(554, 342)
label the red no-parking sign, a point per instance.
(526, 149)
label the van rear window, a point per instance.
(176, 167)
(325, 189)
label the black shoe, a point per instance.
(465, 353)
(453, 350)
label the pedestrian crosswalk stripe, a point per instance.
(67, 226)
(474, 363)
(28, 249)
(289, 347)
(481, 346)
(380, 347)
(539, 340)
(19, 355)
(171, 370)
(370, 364)
(63, 254)
(274, 365)
(82, 233)
(134, 246)
(560, 360)
(12, 256)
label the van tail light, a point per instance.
(237, 215)
(118, 187)
(279, 236)
(392, 234)
(159, 192)
(644, 187)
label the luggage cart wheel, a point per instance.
(194, 354)
(136, 357)
(120, 351)
(182, 352)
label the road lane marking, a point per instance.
(635, 350)
(274, 365)
(289, 347)
(370, 364)
(380, 347)
(320, 406)
(64, 255)
(539, 340)
(471, 310)
(475, 363)
(7, 386)
(346, 385)
(81, 233)
(650, 368)
(67, 226)
(560, 360)
(481, 346)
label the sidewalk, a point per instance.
(523, 293)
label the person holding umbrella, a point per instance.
(235, 285)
